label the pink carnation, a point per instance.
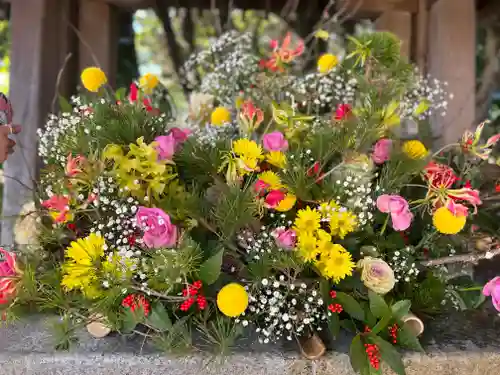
(165, 146)
(382, 151)
(157, 228)
(275, 141)
(492, 288)
(399, 209)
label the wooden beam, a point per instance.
(98, 34)
(422, 34)
(452, 47)
(35, 66)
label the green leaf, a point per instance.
(121, 93)
(378, 306)
(407, 339)
(210, 270)
(389, 355)
(129, 322)
(422, 107)
(334, 325)
(159, 319)
(348, 325)
(358, 357)
(351, 306)
(400, 309)
(64, 105)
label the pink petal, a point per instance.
(402, 221)
(383, 203)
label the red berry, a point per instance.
(333, 294)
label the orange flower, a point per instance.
(282, 55)
(75, 166)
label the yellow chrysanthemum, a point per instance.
(307, 245)
(270, 178)
(336, 263)
(446, 222)
(232, 300)
(276, 158)
(148, 82)
(93, 78)
(327, 62)
(414, 149)
(342, 223)
(324, 236)
(307, 221)
(287, 203)
(326, 209)
(79, 270)
(220, 116)
(247, 148)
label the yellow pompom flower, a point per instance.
(414, 149)
(270, 178)
(232, 300)
(342, 223)
(307, 245)
(79, 271)
(93, 78)
(327, 62)
(322, 34)
(446, 222)
(287, 203)
(148, 82)
(307, 221)
(276, 158)
(220, 116)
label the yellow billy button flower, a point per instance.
(414, 149)
(220, 116)
(148, 82)
(446, 222)
(287, 203)
(93, 78)
(327, 62)
(232, 300)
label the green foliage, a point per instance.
(351, 306)
(210, 269)
(158, 319)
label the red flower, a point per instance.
(440, 175)
(274, 198)
(193, 294)
(282, 55)
(58, 205)
(497, 188)
(135, 302)
(71, 226)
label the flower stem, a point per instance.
(384, 226)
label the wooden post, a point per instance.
(39, 44)
(98, 33)
(399, 23)
(451, 58)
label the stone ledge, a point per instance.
(468, 345)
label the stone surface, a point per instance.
(458, 344)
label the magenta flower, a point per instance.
(275, 141)
(399, 209)
(382, 151)
(342, 112)
(180, 135)
(7, 276)
(285, 238)
(274, 198)
(165, 146)
(157, 228)
(492, 288)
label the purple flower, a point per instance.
(492, 288)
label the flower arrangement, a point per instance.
(288, 203)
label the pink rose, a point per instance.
(285, 238)
(492, 288)
(7, 276)
(398, 207)
(382, 151)
(157, 228)
(274, 198)
(275, 141)
(165, 146)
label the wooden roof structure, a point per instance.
(439, 35)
